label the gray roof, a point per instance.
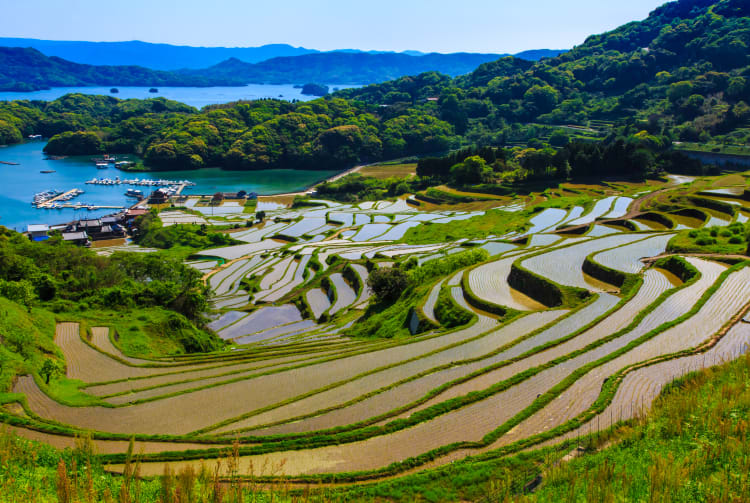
(38, 228)
(74, 236)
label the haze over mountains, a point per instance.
(29, 64)
(175, 57)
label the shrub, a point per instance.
(388, 284)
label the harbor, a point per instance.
(58, 200)
(39, 173)
(140, 182)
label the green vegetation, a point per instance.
(448, 312)
(149, 332)
(27, 336)
(396, 169)
(388, 284)
(357, 187)
(154, 302)
(314, 90)
(180, 239)
(389, 319)
(491, 223)
(731, 240)
(692, 447)
(608, 88)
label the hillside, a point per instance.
(465, 347)
(682, 71)
(679, 75)
(344, 67)
(30, 70)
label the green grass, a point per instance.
(27, 339)
(391, 320)
(693, 447)
(495, 222)
(149, 332)
(448, 312)
(388, 170)
(250, 205)
(715, 148)
(730, 240)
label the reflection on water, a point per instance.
(20, 183)
(197, 97)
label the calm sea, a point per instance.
(194, 96)
(20, 183)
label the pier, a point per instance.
(79, 206)
(65, 196)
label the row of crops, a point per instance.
(567, 326)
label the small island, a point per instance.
(314, 90)
(114, 90)
(153, 90)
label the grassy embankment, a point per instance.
(731, 240)
(493, 222)
(178, 241)
(693, 446)
(384, 319)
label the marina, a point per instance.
(21, 183)
(140, 182)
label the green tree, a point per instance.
(75, 143)
(388, 284)
(559, 138)
(472, 170)
(260, 215)
(49, 369)
(541, 99)
(21, 292)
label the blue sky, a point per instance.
(426, 25)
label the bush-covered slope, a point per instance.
(683, 74)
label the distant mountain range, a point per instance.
(342, 67)
(29, 69)
(175, 57)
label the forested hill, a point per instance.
(26, 69)
(683, 74)
(344, 67)
(156, 56)
(684, 68)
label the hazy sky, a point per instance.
(426, 25)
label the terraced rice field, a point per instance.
(318, 301)
(489, 282)
(298, 387)
(627, 258)
(601, 207)
(563, 264)
(345, 294)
